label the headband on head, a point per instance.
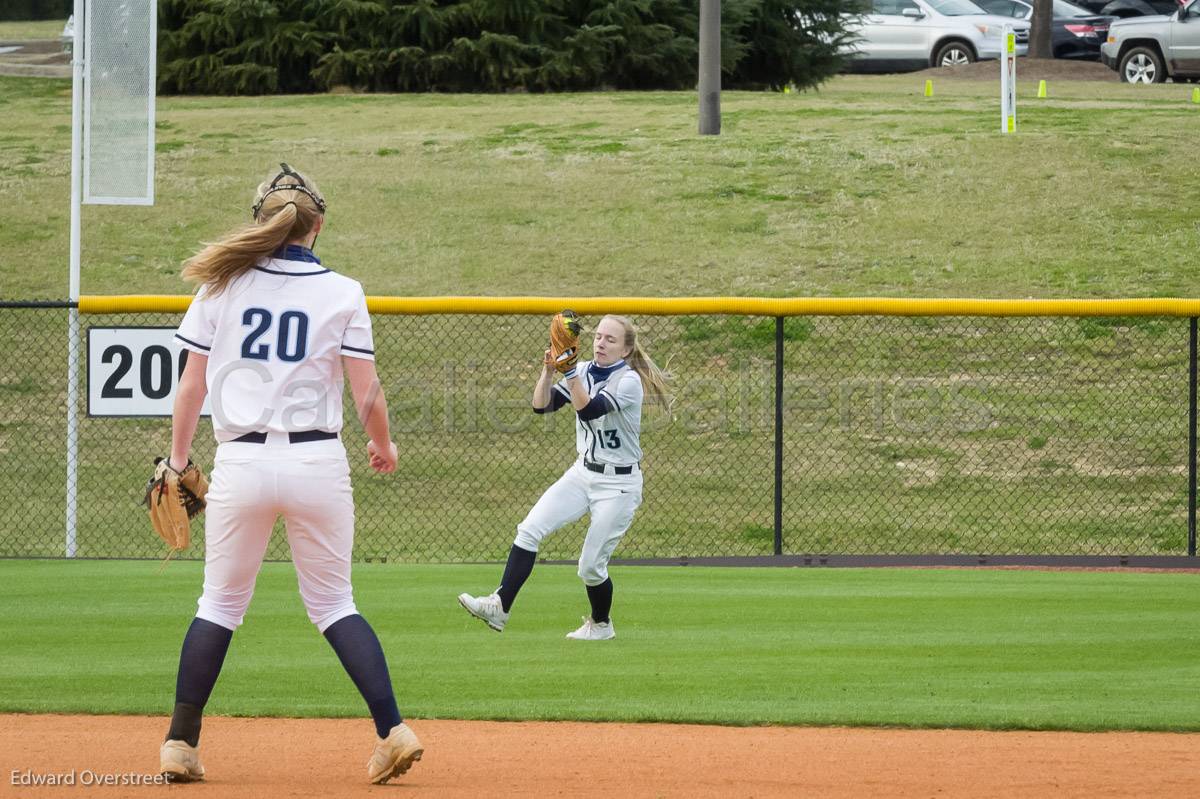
(297, 184)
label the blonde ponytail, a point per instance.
(654, 379)
(283, 213)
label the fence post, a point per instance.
(71, 544)
(1191, 547)
(779, 436)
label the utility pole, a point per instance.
(710, 67)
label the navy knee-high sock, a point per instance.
(601, 598)
(516, 572)
(358, 648)
(200, 662)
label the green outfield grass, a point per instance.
(919, 648)
(29, 30)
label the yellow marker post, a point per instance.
(928, 88)
(1008, 82)
(1041, 89)
(1196, 95)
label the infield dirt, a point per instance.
(327, 757)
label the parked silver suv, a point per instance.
(899, 35)
(1151, 49)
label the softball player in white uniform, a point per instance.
(271, 334)
(605, 481)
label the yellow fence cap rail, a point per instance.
(673, 306)
(134, 303)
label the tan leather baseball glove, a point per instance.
(174, 499)
(564, 340)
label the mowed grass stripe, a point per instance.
(920, 648)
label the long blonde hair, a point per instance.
(286, 208)
(653, 378)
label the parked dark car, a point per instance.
(1075, 32)
(1130, 8)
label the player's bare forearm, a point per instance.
(541, 391)
(375, 421)
(368, 399)
(579, 395)
(185, 415)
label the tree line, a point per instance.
(36, 9)
(292, 46)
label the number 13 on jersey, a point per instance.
(608, 439)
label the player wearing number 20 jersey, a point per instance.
(275, 339)
(272, 334)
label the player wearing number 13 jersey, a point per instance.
(605, 481)
(271, 336)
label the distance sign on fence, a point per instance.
(133, 371)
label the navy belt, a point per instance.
(592, 466)
(293, 438)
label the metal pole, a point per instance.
(779, 435)
(1008, 82)
(77, 56)
(1191, 550)
(710, 67)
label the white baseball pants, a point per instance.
(252, 484)
(610, 499)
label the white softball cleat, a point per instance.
(487, 609)
(180, 762)
(593, 631)
(394, 755)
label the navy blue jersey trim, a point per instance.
(592, 446)
(556, 401)
(603, 372)
(193, 343)
(290, 274)
(611, 398)
(296, 252)
(356, 349)
(597, 406)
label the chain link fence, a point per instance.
(900, 436)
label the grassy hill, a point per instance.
(864, 187)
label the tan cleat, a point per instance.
(394, 754)
(179, 762)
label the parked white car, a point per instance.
(1152, 49)
(902, 35)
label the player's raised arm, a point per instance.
(545, 382)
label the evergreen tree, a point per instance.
(265, 46)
